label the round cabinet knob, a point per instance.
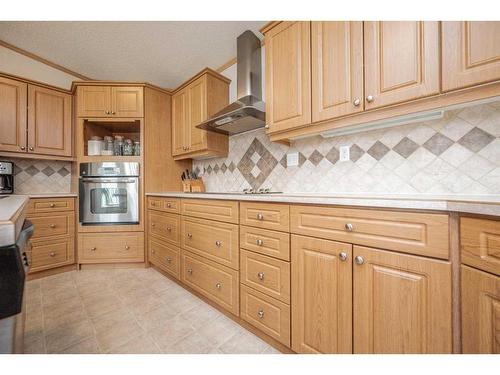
(153, 252)
(218, 243)
(52, 226)
(169, 205)
(153, 204)
(349, 227)
(169, 259)
(190, 271)
(31, 148)
(127, 247)
(169, 229)
(260, 314)
(260, 242)
(52, 205)
(153, 225)
(370, 98)
(106, 112)
(260, 217)
(23, 148)
(113, 112)
(190, 235)
(52, 254)
(93, 249)
(260, 275)
(218, 285)
(343, 256)
(359, 260)
(266, 127)
(356, 102)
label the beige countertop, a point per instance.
(52, 195)
(12, 214)
(477, 204)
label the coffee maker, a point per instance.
(6, 177)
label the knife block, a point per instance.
(193, 186)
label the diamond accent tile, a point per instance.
(197, 171)
(223, 168)
(405, 147)
(378, 150)
(316, 157)
(355, 153)
(48, 171)
(248, 168)
(209, 169)
(283, 161)
(438, 143)
(476, 139)
(231, 167)
(31, 170)
(333, 155)
(255, 157)
(302, 159)
(216, 168)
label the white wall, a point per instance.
(12, 62)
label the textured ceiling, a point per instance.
(163, 53)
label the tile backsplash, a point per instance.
(458, 154)
(34, 176)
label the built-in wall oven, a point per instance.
(109, 193)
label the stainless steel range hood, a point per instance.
(248, 112)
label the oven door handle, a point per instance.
(104, 181)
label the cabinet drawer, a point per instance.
(165, 256)
(267, 314)
(265, 215)
(51, 205)
(480, 243)
(211, 239)
(408, 232)
(267, 275)
(57, 224)
(171, 205)
(52, 253)
(165, 226)
(267, 242)
(211, 209)
(116, 247)
(217, 283)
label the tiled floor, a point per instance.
(127, 311)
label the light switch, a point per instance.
(344, 153)
(292, 159)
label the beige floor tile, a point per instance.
(33, 327)
(244, 343)
(155, 317)
(33, 285)
(170, 332)
(99, 304)
(67, 335)
(59, 295)
(115, 328)
(141, 304)
(271, 350)
(93, 287)
(194, 343)
(142, 344)
(68, 311)
(87, 346)
(200, 315)
(34, 345)
(220, 330)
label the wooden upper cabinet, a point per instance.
(93, 101)
(49, 122)
(288, 75)
(401, 61)
(337, 69)
(13, 103)
(480, 312)
(471, 53)
(195, 102)
(402, 303)
(110, 101)
(127, 101)
(321, 296)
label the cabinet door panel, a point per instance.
(321, 296)
(127, 101)
(401, 61)
(402, 303)
(471, 53)
(337, 69)
(197, 138)
(13, 97)
(94, 101)
(49, 122)
(288, 76)
(480, 312)
(179, 122)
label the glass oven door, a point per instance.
(109, 200)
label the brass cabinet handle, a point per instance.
(343, 256)
(127, 247)
(190, 271)
(169, 205)
(169, 259)
(356, 102)
(260, 313)
(106, 112)
(153, 225)
(218, 285)
(153, 204)
(52, 226)
(349, 227)
(260, 275)
(31, 148)
(113, 112)
(23, 148)
(169, 229)
(190, 235)
(260, 242)
(93, 249)
(359, 260)
(218, 243)
(52, 205)
(370, 98)
(52, 254)
(260, 216)
(153, 251)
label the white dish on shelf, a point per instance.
(107, 152)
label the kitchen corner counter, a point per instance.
(481, 204)
(52, 195)
(11, 217)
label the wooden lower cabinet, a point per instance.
(402, 303)
(165, 256)
(52, 253)
(480, 312)
(218, 283)
(117, 247)
(321, 296)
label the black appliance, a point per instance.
(6, 177)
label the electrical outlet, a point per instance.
(344, 153)
(292, 159)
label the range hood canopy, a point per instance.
(248, 112)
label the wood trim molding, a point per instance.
(42, 60)
(33, 82)
(118, 83)
(226, 65)
(268, 26)
(198, 75)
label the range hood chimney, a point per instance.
(248, 111)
